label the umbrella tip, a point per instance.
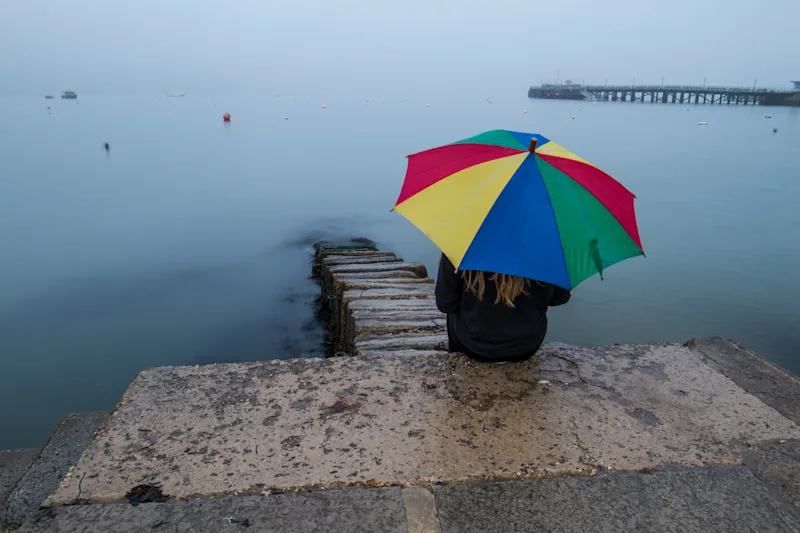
(532, 147)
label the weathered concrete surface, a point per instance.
(222, 428)
(771, 384)
(777, 465)
(421, 515)
(71, 436)
(13, 465)
(402, 353)
(718, 500)
(378, 510)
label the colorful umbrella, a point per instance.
(519, 204)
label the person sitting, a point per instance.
(494, 317)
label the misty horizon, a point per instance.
(413, 48)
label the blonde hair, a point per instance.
(508, 287)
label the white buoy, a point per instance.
(573, 118)
(427, 105)
(702, 123)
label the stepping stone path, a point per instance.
(380, 304)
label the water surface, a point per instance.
(189, 242)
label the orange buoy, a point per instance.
(226, 117)
(48, 107)
(324, 106)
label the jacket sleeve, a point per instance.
(560, 296)
(449, 287)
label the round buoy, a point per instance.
(48, 107)
(324, 106)
(573, 118)
(525, 111)
(774, 130)
(226, 117)
(367, 100)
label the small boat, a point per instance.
(176, 95)
(702, 123)
(49, 96)
(69, 95)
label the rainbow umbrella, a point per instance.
(519, 204)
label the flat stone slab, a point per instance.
(718, 500)
(395, 420)
(362, 259)
(350, 252)
(378, 510)
(394, 293)
(417, 268)
(13, 465)
(403, 341)
(421, 286)
(438, 324)
(342, 285)
(384, 304)
(773, 385)
(383, 275)
(71, 436)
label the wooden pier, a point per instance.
(668, 94)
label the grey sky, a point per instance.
(411, 45)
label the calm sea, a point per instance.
(189, 242)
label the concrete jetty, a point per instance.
(400, 435)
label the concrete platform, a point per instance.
(407, 421)
(13, 465)
(717, 500)
(70, 437)
(347, 511)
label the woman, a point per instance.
(494, 317)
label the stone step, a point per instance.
(357, 320)
(416, 268)
(13, 465)
(407, 341)
(392, 305)
(340, 286)
(398, 314)
(332, 260)
(717, 500)
(63, 448)
(398, 293)
(379, 510)
(369, 329)
(387, 274)
(349, 252)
